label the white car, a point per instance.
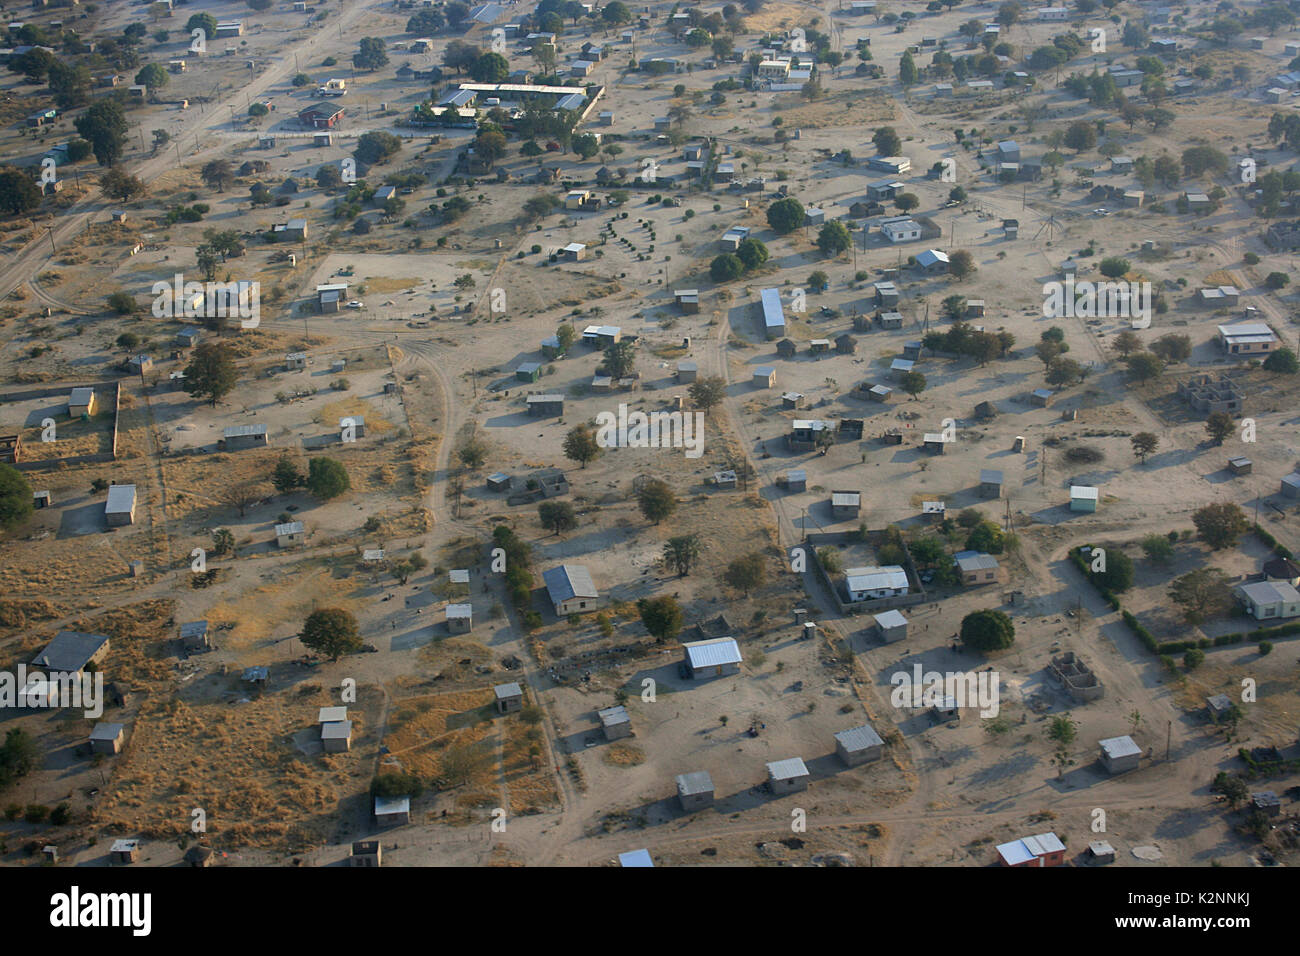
(356, 304)
(1101, 212)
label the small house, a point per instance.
(615, 722)
(891, 626)
(845, 504)
(545, 406)
(81, 402)
(1041, 397)
(687, 372)
(773, 313)
(975, 567)
(570, 589)
(124, 851)
(717, 657)
(392, 811)
(990, 483)
(795, 481)
(1045, 849)
(574, 252)
(41, 499)
(336, 736)
(695, 790)
(187, 337)
(139, 364)
(1101, 852)
(107, 738)
(935, 442)
(1266, 802)
(239, 437)
(886, 294)
(1083, 498)
(934, 511)
(787, 776)
(295, 360)
(1269, 600)
(1120, 754)
(786, 349)
(890, 320)
(635, 858)
(601, 336)
(792, 400)
(932, 262)
(528, 372)
(366, 853)
(119, 509)
(290, 534)
(257, 676)
(460, 618)
(724, 480)
(509, 697)
(1218, 706)
(764, 376)
(498, 481)
(195, 635)
(1240, 465)
(880, 393)
(974, 308)
(688, 300)
(859, 745)
(1290, 486)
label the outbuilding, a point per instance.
(1083, 498)
(787, 776)
(290, 534)
(615, 722)
(509, 697)
(119, 509)
(990, 483)
(460, 618)
(81, 402)
(718, 657)
(570, 589)
(336, 736)
(195, 635)
(695, 790)
(392, 811)
(891, 626)
(859, 745)
(1120, 754)
(107, 738)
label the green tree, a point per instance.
(1114, 267)
(1201, 594)
(327, 478)
(376, 147)
(1158, 548)
(707, 392)
(18, 193)
(15, 497)
(961, 264)
(620, 359)
(908, 74)
(1144, 443)
(752, 253)
(104, 126)
(662, 617)
(153, 76)
(331, 631)
(1220, 525)
(1080, 136)
(987, 630)
(726, 267)
(121, 185)
(833, 239)
(785, 215)
(681, 552)
(287, 476)
(370, 55)
(746, 573)
(1282, 361)
(1118, 573)
(986, 537)
(1144, 366)
(557, 516)
(217, 174)
(490, 68)
(580, 444)
(913, 383)
(887, 141)
(211, 374)
(656, 500)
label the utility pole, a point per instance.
(1169, 734)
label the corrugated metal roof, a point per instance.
(635, 858)
(773, 313)
(328, 715)
(508, 690)
(712, 653)
(242, 431)
(612, 716)
(1119, 747)
(859, 738)
(459, 611)
(787, 769)
(869, 579)
(194, 628)
(891, 619)
(336, 730)
(291, 527)
(569, 581)
(385, 805)
(121, 499)
(689, 784)
(106, 731)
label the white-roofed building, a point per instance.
(1119, 754)
(719, 657)
(570, 588)
(1247, 338)
(1269, 600)
(863, 584)
(1044, 849)
(859, 745)
(787, 776)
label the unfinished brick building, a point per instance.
(1076, 678)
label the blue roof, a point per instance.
(635, 858)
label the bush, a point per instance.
(1194, 658)
(1265, 648)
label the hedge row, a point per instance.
(1280, 550)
